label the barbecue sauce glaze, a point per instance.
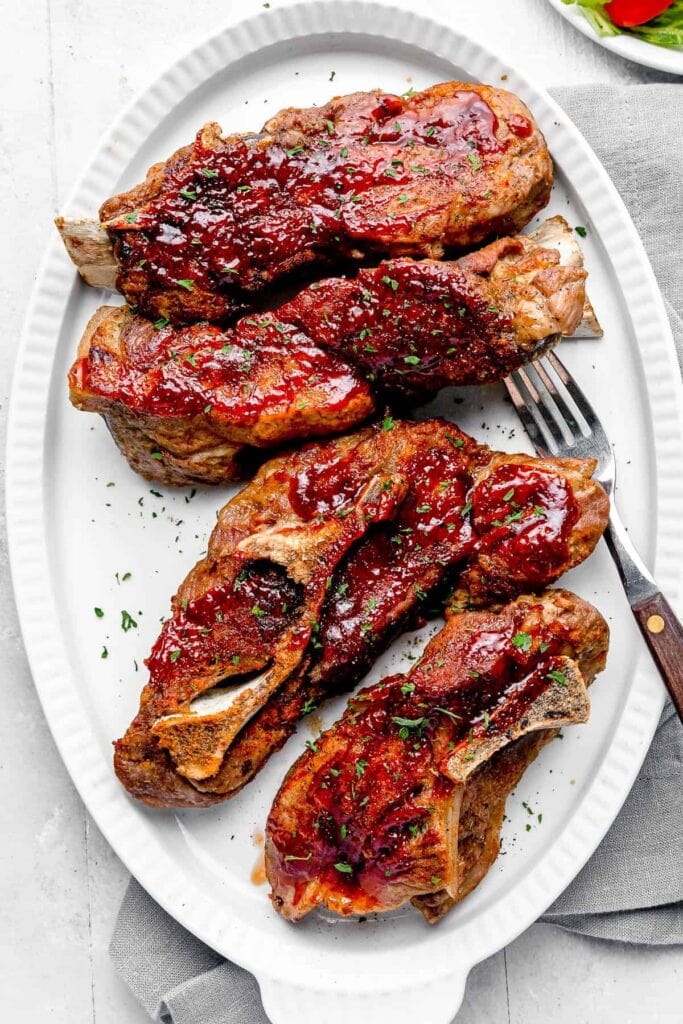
(518, 514)
(228, 219)
(363, 809)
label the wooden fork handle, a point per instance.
(657, 620)
(663, 634)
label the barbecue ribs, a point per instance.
(185, 405)
(367, 173)
(403, 798)
(316, 565)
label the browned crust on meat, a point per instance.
(503, 196)
(252, 525)
(461, 837)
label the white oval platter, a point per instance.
(661, 58)
(78, 517)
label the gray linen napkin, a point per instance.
(632, 888)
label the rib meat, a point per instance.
(185, 405)
(367, 173)
(316, 565)
(403, 798)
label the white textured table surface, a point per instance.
(66, 69)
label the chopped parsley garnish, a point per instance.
(557, 677)
(467, 508)
(295, 150)
(208, 172)
(188, 193)
(312, 746)
(105, 653)
(411, 360)
(186, 283)
(161, 323)
(474, 161)
(291, 856)
(330, 126)
(388, 423)
(509, 495)
(449, 714)
(308, 707)
(98, 612)
(522, 641)
(127, 621)
(407, 688)
(581, 231)
(436, 880)
(343, 868)
(258, 612)
(393, 284)
(360, 768)
(408, 723)
(174, 655)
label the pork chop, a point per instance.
(223, 218)
(190, 404)
(403, 798)
(315, 566)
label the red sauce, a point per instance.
(411, 327)
(325, 488)
(524, 517)
(232, 377)
(397, 565)
(520, 126)
(442, 524)
(228, 219)
(244, 616)
(369, 801)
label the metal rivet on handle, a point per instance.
(656, 623)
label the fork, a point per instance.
(560, 421)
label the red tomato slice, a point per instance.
(627, 13)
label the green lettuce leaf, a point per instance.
(664, 30)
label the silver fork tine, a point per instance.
(528, 421)
(576, 394)
(562, 406)
(545, 412)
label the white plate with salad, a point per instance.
(649, 32)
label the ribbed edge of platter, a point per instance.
(125, 825)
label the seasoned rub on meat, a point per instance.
(185, 405)
(315, 566)
(367, 173)
(403, 798)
